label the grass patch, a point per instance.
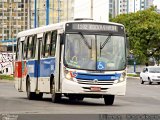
(133, 75)
(6, 77)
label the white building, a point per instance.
(128, 6)
(96, 9)
(136, 5)
(6, 63)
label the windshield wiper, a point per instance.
(105, 42)
(85, 40)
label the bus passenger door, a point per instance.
(19, 64)
(58, 64)
(37, 66)
(17, 69)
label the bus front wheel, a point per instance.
(109, 99)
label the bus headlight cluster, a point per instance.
(123, 77)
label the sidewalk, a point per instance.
(133, 75)
(6, 81)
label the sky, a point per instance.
(157, 2)
(83, 9)
(100, 8)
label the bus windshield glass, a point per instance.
(95, 51)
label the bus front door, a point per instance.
(20, 64)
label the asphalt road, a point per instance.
(139, 99)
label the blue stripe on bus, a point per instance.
(47, 67)
(87, 76)
(44, 68)
(32, 68)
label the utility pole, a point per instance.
(134, 6)
(59, 2)
(2, 21)
(47, 12)
(67, 10)
(29, 15)
(92, 9)
(35, 13)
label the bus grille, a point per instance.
(96, 82)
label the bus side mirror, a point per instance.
(127, 44)
(62, 38)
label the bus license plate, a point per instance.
(95, 89)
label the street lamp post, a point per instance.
(92, 9)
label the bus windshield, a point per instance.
(95, 52)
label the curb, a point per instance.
(133, 77)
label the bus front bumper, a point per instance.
(71, 87)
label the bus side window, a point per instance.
(53, 43)
(17, 48)
(25, 48)
(34, 46)
(47, 40)
(31, 47)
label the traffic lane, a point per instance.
(136, 101)
(142, 98)
(12, 101)
(135, 88)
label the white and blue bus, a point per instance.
(76, 59)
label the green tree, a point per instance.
(143, 28)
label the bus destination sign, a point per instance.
(94, 27)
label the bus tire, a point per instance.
(56, 97)
(30, 95)
(80, 98)
(72, 98)
(39, 96)
(109, 99)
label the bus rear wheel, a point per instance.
(109, 99)
(30, 95)
(56, 97)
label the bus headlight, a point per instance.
(69, 75)
(123, 77)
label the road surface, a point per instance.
(139, 99)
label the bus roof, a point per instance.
(40, 29)
(56, 26)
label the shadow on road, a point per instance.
(146, 83)
(66, 101)
(77, 102)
